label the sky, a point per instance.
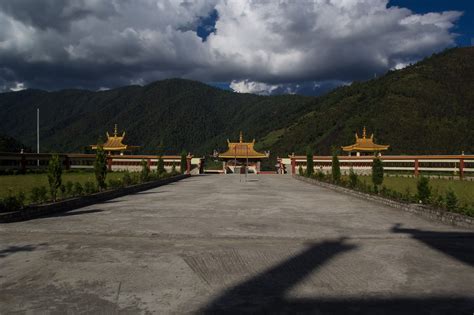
(248, 46)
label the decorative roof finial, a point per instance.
(115, 131)
(241, 137)
(363, 133)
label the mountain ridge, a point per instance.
(424, 108)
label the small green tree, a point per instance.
(300, 170)
(309, 162)
(451, 200)
(55, 172)
(145, 171)
(100, 167)
(77, 189)
(184, 162)
(336, 168)
(423, 189)
(353, 178)
(173, 170)
(160, 167)
(377, 173)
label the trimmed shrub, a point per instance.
(127, 179)
(336, 169)
(309, 163)
(77, 190)
(160, 167)
(452, 202)
(439, 202)
(115, 183)
(377, 173)
(423, 189)
(144, 172)
(62, 191)
(100, 168)
(320, 175)
(173, 170)
(184, 162)
(54, 175)
(69, 187)
(353, 178)
(39, 194)
(12, 202)
(90, 188)
(300, 170)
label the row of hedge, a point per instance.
(41, 194)
(58, 190)
(424, 194)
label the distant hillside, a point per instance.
(424, 108)
(183, 114)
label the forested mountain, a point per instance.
(182, 114)
(9, 144)
(425, 108)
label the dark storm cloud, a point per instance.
(55, 14)
(101, 44)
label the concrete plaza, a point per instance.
(216, 244)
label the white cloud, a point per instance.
(246, 86)
(19, 86)
(258, 45)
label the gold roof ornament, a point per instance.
(365, 144)
(115, 142)
(242, 150)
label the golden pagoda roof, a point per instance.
(242, 150)
(115, 142)
(365, 144)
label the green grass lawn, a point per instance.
(464, 189)
(25, 183)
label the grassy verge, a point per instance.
(464, 190)
(451, 195)
(17, 191)
(25, 183)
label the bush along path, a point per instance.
(62, 194)
(425, 196)
(423, 210)
(37, 210)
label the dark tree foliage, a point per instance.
(423, 189)
(55, 172)
(309, 162)
(353, 178)
(160, 168)
(145, 172)
(8, 144)
(377, 172)
(451, 200)
(100, 168)
(336, 169)
(184, 163)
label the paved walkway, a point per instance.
(213, 244)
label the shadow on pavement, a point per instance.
(16, 249)
(458, 245)
(71, 213)
(266, 292)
